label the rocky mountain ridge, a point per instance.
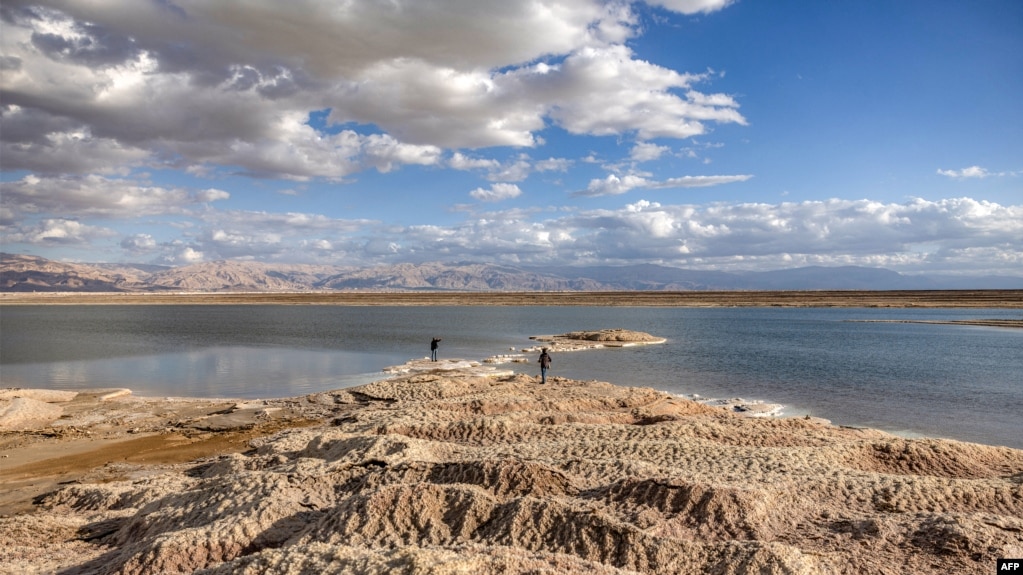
(22, 273)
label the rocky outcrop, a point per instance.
(580, 340)
(21, 413)
(447, 471)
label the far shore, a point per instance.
(1007, 299)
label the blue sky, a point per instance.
(701, 134)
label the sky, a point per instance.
(703, 134)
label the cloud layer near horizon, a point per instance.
(99, 97)
(918, 235)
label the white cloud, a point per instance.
(954, 235)
(552, 165)
(496, 193)
(56, 231)
(187, 256)
(647, 152)
(343, 39)
(288, 224)
(138, 243)
(384, 152)
(699, 181)
(300, 153)
(604, 91)
(460, 161)
(833, 230)
(281, 236)
(614, 185)
(100, 196)
(419, 102)
(94, 93)
(45, 144)
(104, 87)
(514, 170)
(973, 172)
(691, 6)
(210, 195)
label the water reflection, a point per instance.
(952, 381)
(243, 372)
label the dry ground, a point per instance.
(452, 472)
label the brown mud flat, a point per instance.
(102, 440)
(830, 298)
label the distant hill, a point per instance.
(842, 277)
(30, 273)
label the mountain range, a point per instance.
(21, 273)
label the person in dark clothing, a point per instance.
(545, 364)
(433, 348)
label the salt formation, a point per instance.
(450, 472)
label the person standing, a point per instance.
(545, 364)
(433, 348)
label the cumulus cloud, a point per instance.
(972, 172)
(247, 234)
(552, 165)
(52, 145)
(691, 6)
(953, 235)
(385, 153)
(461, 161)
(56, 231)
(186, 256)
(862, 231)
(605, 91)
(99, 99)
(101, 87)
(904, 236)
(514, 170)
(294, 224)
(100, 196)
(614, 185)
(646, 152)
(139, 243)
(496, 193)
(699, 181)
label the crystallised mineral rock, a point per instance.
(580, 340)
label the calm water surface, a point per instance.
(919, 379)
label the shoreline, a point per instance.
(1010, 323)
(741, 406)
(464, 465)
(1004, 299)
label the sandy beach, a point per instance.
(461, 466)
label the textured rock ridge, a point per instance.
(452, 472)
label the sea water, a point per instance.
(859, 367)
